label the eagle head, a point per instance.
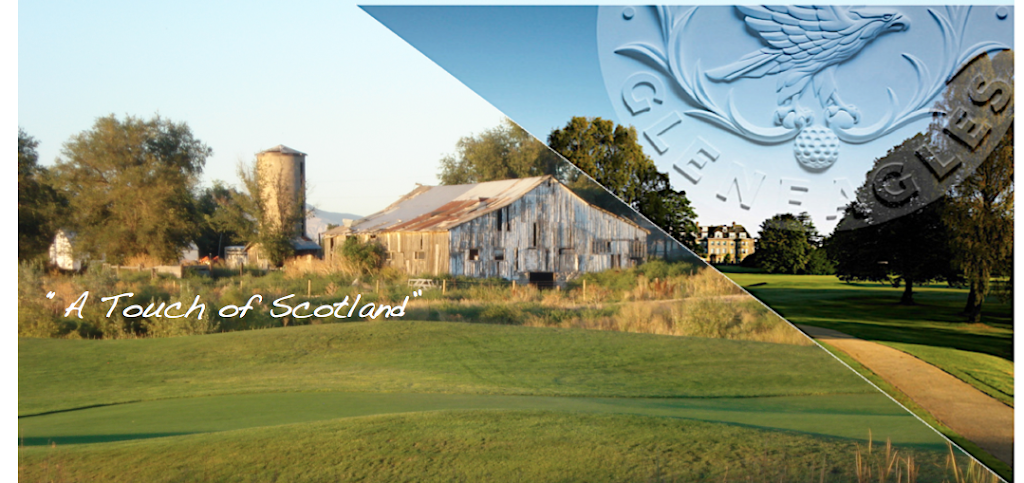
(876, 21)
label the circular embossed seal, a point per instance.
(756, 111)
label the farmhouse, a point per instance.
(62, 253)
(529, 230)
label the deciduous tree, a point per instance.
(246, 214)
(214, 203)
(130, 186)
(783, 244)
(872, 242)
(503, 152)
(40, 206)
(979, 215)
(611, 155)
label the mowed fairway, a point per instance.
(435, 357)
(418, 401)
(931, 330)
(469, 446)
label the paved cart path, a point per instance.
(964, 409)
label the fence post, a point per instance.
(309, 288)
(584, 289)
(513, 287)
(444, 286)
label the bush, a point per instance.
(368, 257)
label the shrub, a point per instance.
(368, 257)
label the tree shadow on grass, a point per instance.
(933, 321)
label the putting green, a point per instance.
(845, 416)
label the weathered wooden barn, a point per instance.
(529, 230)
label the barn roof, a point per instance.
(439, 208)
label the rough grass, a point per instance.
(730, 317)
(656, 297)
(473, 446)
(931, 330)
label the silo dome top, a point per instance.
(281, 148)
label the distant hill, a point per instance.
(317, 224)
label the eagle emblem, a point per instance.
(801, 49)
(804, 47)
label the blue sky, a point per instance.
(325, 77)
(373, 114)
(538, 65)
(542, 65)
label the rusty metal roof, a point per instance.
(439, 208)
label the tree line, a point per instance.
(129, 188)
(963, 238)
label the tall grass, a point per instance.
(657, 297)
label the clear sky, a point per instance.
(541, 65)
(372, 113)
(326, 78)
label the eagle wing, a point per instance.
(798, 37)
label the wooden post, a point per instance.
(584, 289)
(513, 287)
(309, 288)
(444, 286)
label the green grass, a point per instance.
(931, 330)
(417, 357)
(992, 462)
(848, 416)
(469, 446)
(433, 401)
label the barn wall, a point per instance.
(547, 230)
(416, 252)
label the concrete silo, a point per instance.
(282, 176)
